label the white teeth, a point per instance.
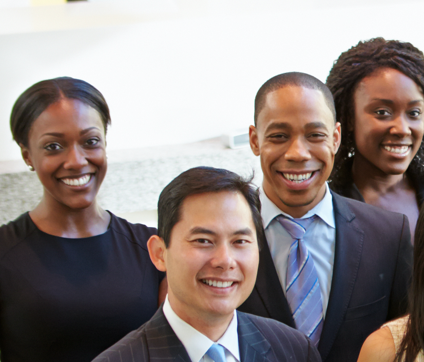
(397, 149)
(217, 284)
(297, 178)
(76, 181)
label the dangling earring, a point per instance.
(31, 168)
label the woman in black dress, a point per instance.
(378, 92)
(74, 278)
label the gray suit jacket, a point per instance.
(372, 270)
(260, 340)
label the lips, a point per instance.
(76, 181)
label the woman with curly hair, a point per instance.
(402, 340)
(378, 92)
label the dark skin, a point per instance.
(390, 193)
(67, 149)
(388, 129)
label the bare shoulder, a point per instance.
(378, 347)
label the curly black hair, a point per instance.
(348, 70)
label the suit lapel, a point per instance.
(163, 342)
(348, 251)
(252, 344)
(270, 291)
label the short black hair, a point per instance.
(37, 98)
(348, 70)
(200, 180)
(292, 79)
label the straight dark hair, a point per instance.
(413, 341)
(37, 98)
(200, 180)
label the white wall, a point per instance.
(182, 71)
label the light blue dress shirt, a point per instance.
(320, 239)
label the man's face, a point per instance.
(297, 140)
(212, 259)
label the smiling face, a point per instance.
(296, 139)
(66, 147)
(212, 259)
(388, 125)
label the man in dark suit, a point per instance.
(359, 257)
(209, 232)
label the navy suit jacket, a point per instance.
(371, 275)
(260, 340)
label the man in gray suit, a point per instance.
(210, 230)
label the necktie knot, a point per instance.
(295, 227)
(217, 353)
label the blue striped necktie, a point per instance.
(217, 353)
(302, 286)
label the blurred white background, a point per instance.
(178, 71)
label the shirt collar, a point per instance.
(196, 343)
(324, 209)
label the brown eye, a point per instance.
(53, 147)
(382, 112)
(93, 141)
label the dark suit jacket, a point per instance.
(260, 340)
(371, 274)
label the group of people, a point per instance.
(324, 261)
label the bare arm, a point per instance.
(378, 347)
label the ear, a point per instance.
(337, 136)
(253, 139)
(26, 155)
(157, 251)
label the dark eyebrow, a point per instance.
(287, 126)
(279, 125)
(416, 101)
(54, 134)
(84, 131)
(57, 134)
(246, 231)
(390, 102)
(200, 230)
(387, 101)
(313, 125)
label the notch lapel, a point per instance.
(270, 291)
(252, 344)
(163, 343)
(348, 252)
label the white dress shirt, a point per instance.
(320, 238)
(196, 343)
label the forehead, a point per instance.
(67, 115)
(295, 105)
(222, 212)
(388, 82)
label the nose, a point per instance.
(297, 151)
(400, 126)
(223, 257)
(75, 158)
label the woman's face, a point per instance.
(388, 126)
(67, 148)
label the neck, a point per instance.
(369, 178)
(297, 207)
(62, 221)
(212, 326)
